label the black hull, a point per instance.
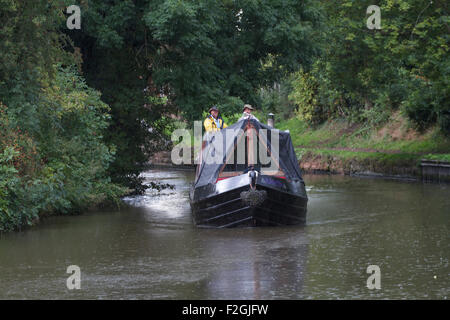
(227, 209)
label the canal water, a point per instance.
(151, 250)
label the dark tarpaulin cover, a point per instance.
(209, 168)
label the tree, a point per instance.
(53, 157)
(30, 45)
(194, 53)
(211, 50)
(403, 65)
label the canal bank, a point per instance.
(399, 166)
(394, 149)
(373, 163)
(403, 167)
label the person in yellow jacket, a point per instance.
(214, 122)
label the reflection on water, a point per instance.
(151, 250)
(256, 263)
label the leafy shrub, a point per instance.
(276, 99)
(25, 159)
(305, 96)
(62, 168)
(379, 113)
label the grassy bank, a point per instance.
(341, 147)
(337, 146)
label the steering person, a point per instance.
(214, 121)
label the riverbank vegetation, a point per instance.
(53, 156)
(372, 100)
(339, 146)
(82, 110)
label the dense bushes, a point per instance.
(19, 163)
(62, 166)
(305, 95)
(53, 158)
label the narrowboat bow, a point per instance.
(247, 176)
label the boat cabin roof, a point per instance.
(245, 145)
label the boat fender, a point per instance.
(253, 198)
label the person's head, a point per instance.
(214, 111)
(248, 108)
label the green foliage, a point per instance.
(364, 74)
(62, 167)
(230, 106)
(427, 101)
(439, 157)
(275, 99)
(30, 45)
(73, 121)
(53, 158)
(338, 135)
(232, 118)
(211, 50)
(304, 95)
(17, 197)
(194, 53)
(10, 217)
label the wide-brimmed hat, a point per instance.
(248, 106)
(213, 108)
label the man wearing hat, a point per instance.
(214, 122)
(248, 113)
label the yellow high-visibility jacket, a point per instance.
(210, 124)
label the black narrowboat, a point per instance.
(247, 176)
